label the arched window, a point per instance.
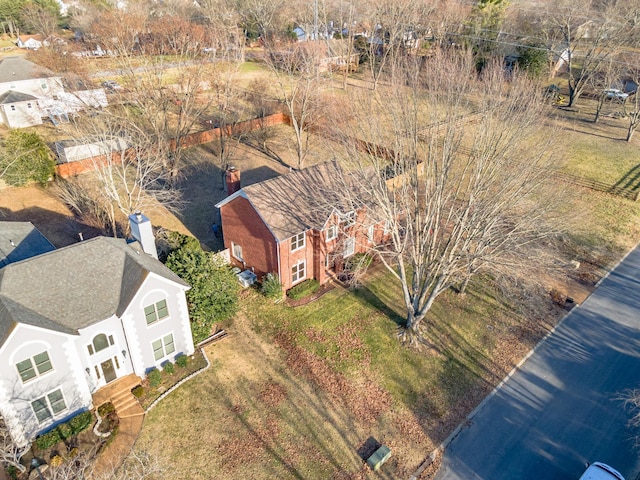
(100, 342)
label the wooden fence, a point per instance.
(624, 192)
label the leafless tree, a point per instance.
(296, 69)
(631, 402)
(129, 164)
(586, 35)
(600, 81)
(39, 19)
(457, 199)
(10, 453)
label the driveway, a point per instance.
(560, 409)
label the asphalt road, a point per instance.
(560, 409)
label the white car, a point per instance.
(601, 471)
(615, 94)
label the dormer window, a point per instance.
(348, 219)
(297, 242)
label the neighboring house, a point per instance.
(29, 93)
(30, 42)
(20, 75)
(21, 240)
(19, 110)
(299, 225)
(75, 319)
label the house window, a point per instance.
(156, 312)
(97, 371)
(100, 342)
(13, 108)
(348, 218)
(48, 406)
(34, 367)
(297, 242)
(332, 233)
(29, 105)
(298, 272)
(370, 233)
(387, 227)
(236, 251)
(44, 85)
(163, 347)
(349, 247)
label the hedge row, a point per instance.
(65, 430)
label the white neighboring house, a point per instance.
(74, 319)
(30, 42)
(24, 78)
(19, 110)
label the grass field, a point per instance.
(296, 392)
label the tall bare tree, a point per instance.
(129, 165)
(459, 198)
(297, 71)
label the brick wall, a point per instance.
(243, 226)
(288, 259)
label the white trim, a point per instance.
(164, 347)
(304, 276)
(349, 240)
(332, 228)
(233, 251)
(296, 238)
(371, 231)
(54, 416)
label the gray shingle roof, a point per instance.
(74, 287)
(27, 242)
(298, 201)
(17, 69)
(14, 97)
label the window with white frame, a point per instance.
(163, 346)
(348, 218)
(29, 105)
(49, 406)
(387, 227)
(370, 233)
(13, 108)
(332, 233)
(236, 251)
(156, 312)
(349, 247)
(34, 367)
(298, 271)
(297, 242)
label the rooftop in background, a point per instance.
(18, 69)
(21, 240)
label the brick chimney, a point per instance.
(232, 179)
(141, 230)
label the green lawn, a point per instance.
(295, 392)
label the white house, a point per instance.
(18, 110)
(30, 42)
(21, 75)
(73, 320)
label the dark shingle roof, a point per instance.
(14, 97)
(74, 287)
(17, 69)
(21, 240)
(297, 201)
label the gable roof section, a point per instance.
(15, 97)
(76, 286)
(298, 201)
(21, 240)
(15, 69)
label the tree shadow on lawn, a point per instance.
(202, 185)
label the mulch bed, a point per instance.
(327, 287)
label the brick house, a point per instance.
(300, 225)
